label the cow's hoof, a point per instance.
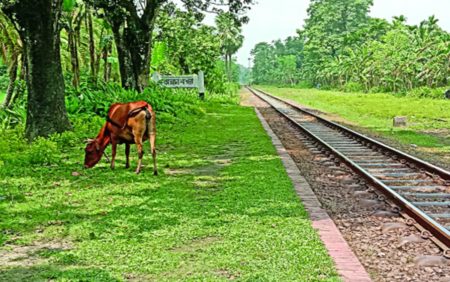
(137, 171)
(155, 173)
(113, 167)
(127, 166)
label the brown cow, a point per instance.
(130, 123)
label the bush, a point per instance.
(427, 92)
(4, 81)
(44, 152)
(353, 87)
(97, 101)
(304, 85)
(10, 118)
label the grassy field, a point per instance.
(2, 96)
(222, 209)
(429, 120)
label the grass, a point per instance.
(2, 95)
(222, 209)
(429, 120)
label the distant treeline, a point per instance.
(342, 47)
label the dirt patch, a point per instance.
(26, 256)
(197, 244)
(227, 274)
(362, 218)
(175, 172)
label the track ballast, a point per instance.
(418, 190)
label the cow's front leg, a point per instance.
(113, 153)
(127, 155)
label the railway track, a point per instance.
(417, 190)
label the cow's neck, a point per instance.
(103, 139)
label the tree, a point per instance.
(132, 23)
(263, 63)
(11, 53)
(329, 24)
(231, 38)
(39, 26)
(72, 19)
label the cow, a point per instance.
(129, 123)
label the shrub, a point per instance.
(97, 101)
(10, 118)
(427, 92)
(44, 152)
(353, 87)
(304, 85)
(4, 81)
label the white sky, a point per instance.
(277, 19)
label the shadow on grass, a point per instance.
(48, 273)
(144, 203)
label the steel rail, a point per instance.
(439, 233)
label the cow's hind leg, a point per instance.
(127, 155)
(152, 139)
(138, 141)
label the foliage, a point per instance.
(176, 103)
(229, 33)
(43, 152)
(341, 47)
(184, 45)
(277, 63)
(427, 92)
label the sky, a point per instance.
(277, 19)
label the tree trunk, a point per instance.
(75, 62)
(99, 55)
(40, 33)
(228, 63)
(134, 50)
(12, 83)
(106, 64)
(133, 38)
(91, 45)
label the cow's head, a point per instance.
(93, 152)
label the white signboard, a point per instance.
(182, 81)
(185, 81)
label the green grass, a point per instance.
(223, 208)
(429, 120)
(2, 96)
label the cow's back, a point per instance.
(119, 114)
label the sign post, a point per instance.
(183, 81)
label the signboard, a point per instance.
(182, 81)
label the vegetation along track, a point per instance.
(417, 190)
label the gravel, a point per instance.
(389, 249)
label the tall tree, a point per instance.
(229, 29)
(132, 22)
(39, 26)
